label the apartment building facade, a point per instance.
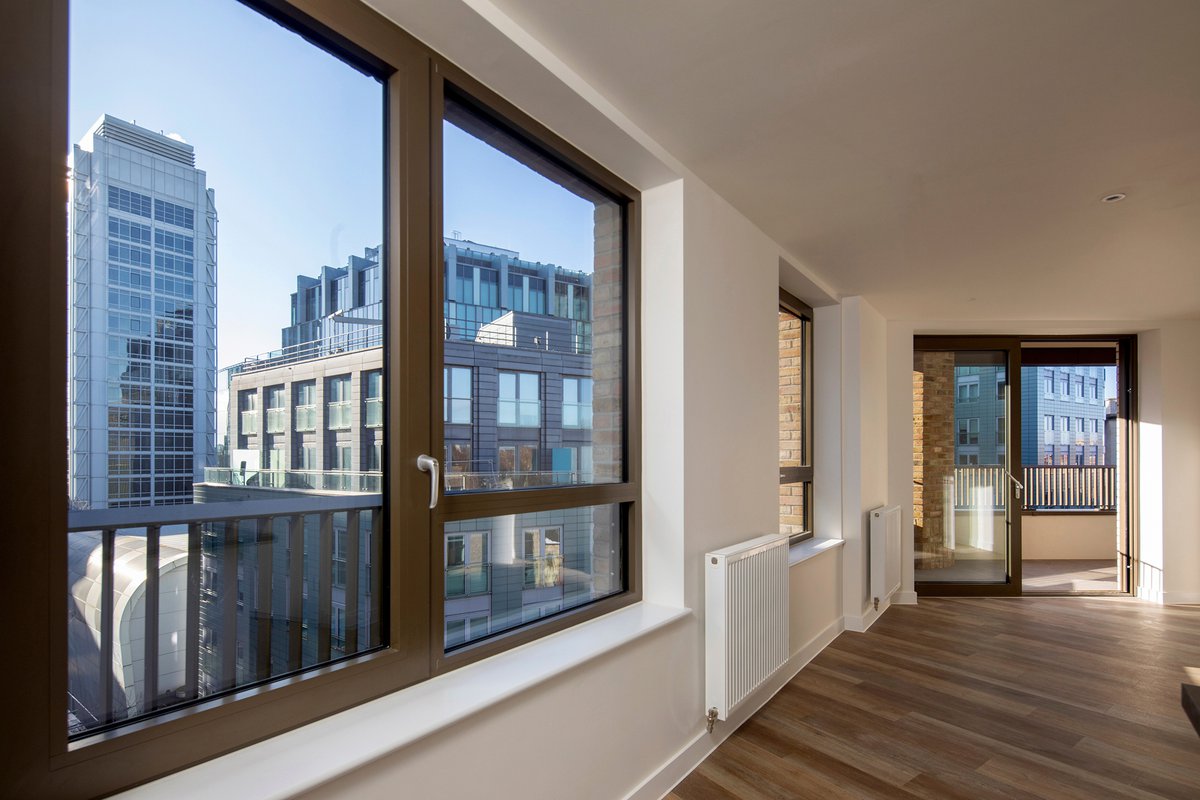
(517, 413)
(1062, 416)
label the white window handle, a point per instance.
(1017, 485)
(430, 464)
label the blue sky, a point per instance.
(291, 140)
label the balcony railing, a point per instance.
(362, 338)
(466, 580)
(306, 418)
(144, 585)
(1047, 488)
(543, 573)
(276, 420)
(373, 412)
(475, 481)
(297, 479)
(339, 415)
(249, 423)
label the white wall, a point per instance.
(900, 445)
(864, 449)
(827, 409)
(1169, 432)
(1069, 536)
(632, 721)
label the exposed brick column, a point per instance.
(608, 385)
(933, 455)
(791, 424)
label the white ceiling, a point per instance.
(944, 158)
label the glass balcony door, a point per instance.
(966, 500)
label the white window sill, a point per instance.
(296, 761)
(810, 548)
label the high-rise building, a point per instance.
(143, 270)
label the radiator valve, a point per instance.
(711, 718)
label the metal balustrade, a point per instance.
(1059, 487)
(137, 579)
(473, 481)
(466, 580)
(297, 479)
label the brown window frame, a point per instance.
(802, 475)
(40, 761)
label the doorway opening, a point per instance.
(1022, 465)
(1072, 462)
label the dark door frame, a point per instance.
(1127, 414)
(1011, 345)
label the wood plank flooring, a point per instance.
(978, 698)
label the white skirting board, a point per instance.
(665, 778)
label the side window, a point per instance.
(795, 417)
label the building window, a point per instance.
(1064, 424)
(248, 407)
(337, 403)
(577, 403)
(1001, 426)
(968, 390)
(517, 458)
(968, 431)
(1048, 423)
(1001, 385)
(373, 402)
(968, 459)
(456, 395)
(543, 550)
(246, 627)
(795, 324)
(276, 409)
(467, 567)
(306, 406)
(519, 404)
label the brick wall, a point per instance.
(608, 390)
(791, 430)
(933, 455)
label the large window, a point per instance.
(225, 450)
(577, 403)
(456, 395)
(795, 417)
(519, 404)
(539, 484)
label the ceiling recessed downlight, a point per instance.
(1113, 198)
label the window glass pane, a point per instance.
(795, 424)
(550, 333)
(522, 567)
(193, 388)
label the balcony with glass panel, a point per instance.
(249, 423)
(306, 418)
(373, 412)
(276, 420)
(544, 572)
(339, 415)
(466, 580)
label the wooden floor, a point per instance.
(979, 698)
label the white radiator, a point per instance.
(885, 552)
(745, 620)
